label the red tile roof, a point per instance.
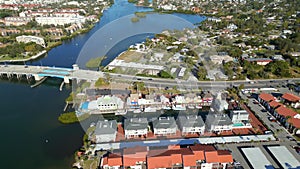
(285, 112)
(132, 156)
(176, 158)
(132, 161)
(159, 162)
(211, 156)
(224, 156)
(290, 97)
(275, 104)
(219, 156)
(189, 160)
(114, 159)
(168, 158)
(266, 97)
(199, 149)
(295, 122)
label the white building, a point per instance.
(106, 131)
(164, 126)
(16, 21)
(238, 116)
(191, 124)
(109, 103)
(232, 27)
(135, 127)
(60, 20)
(27, 39)
(218, 122)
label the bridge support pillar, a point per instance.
(9, 75)
(19, 76)
(66, 80)
(37, 77)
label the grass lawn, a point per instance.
(5, 57)
(90, 164)
(130, 56)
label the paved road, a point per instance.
(153, 82)
(275, 127)
(192, 85)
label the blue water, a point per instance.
(66, 54)
(85, 105)
(29, 115)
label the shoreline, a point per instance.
(60, 42)
(27, 59)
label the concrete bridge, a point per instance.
(38, 72)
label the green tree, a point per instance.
(100, 82)
(164, 74)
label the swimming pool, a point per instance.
(85, 105)
(238, 124)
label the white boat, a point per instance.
(191, 107)
(198, 107)
(178, 107)
(137, 111)
(150, 109)
(167, 108)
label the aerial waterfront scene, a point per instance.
(150, 84)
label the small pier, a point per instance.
(39, 82)
(61, 85)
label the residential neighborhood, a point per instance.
(216, 84)
(45, 23)
(204, 156)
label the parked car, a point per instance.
(268, 132)
(291, 138)
(272, 119)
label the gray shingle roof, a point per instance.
(164, 123)
(106, 127)
(135, 123)
(218, 119)
(190, 121)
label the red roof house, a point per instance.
(112, 160)
(290, 97)
(266, 97)
(134, 156)
(285, 112)
(275, 104)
